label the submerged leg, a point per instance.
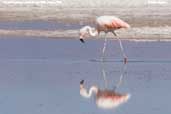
(104, 48)
(121, 47)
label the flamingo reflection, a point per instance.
(106, 98)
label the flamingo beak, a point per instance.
(82, 81)
(82, 40)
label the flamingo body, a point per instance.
(105, 24)
(110, 23)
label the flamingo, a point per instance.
(105, 24)
(105, 99)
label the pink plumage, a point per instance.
(110, 23)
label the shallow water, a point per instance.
(40, 25)
(41, 76)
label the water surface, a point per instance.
(41, 76)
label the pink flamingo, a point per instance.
(105, 24)
(105, 99)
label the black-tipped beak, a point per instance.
(82, 81)
(82, 40)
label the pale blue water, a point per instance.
(41, 76)
(42, 25)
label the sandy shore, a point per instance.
(151, 23)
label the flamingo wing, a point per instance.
(121, 24)
(116, 24)
(112, 22)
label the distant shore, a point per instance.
(146, 22)
(135, 16)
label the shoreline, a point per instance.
(132, 34)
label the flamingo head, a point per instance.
(81, 37)
(82, 34)
(85, 32)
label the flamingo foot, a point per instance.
(102, 59)
(125, 60)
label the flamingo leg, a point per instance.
(105, 79)
(121, 47)
(104, 48)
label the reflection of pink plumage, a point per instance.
(105, 99)
(105, 24)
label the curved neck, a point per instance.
(86, 94)
(91, 32)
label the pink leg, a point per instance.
(104, 48)
(122, 49)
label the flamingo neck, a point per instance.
(91, 32)
(86, 94)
